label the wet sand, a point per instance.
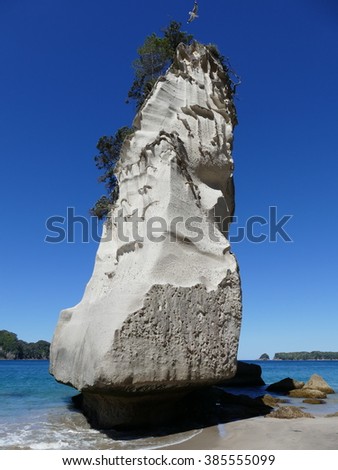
(319, 433)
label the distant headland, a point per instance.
(13, 348)
(303, 356)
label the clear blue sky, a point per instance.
(65, 74)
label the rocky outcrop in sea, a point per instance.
(161, 313)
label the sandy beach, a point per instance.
(319, 433)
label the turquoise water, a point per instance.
(272, 371)
(26, 386)
(36, 412)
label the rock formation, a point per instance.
(316, 382)
(247, 375)
(306, 393)
(289, 412)
(314, 401)
(161, 313)
(316, 388)
(264, 357)
(285, 386)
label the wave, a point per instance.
(70, 431)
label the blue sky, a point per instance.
(65, 73)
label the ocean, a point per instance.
(37, 413)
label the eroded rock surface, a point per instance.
(162, 311)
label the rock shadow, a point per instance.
(197, 410)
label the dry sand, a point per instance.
(319, 433)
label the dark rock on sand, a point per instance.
(247, 375)
(241, 406)
(284, 386)
(197, 409)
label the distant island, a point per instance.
(13, 348)
(306, 356)
(264, 357)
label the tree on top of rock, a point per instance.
(154, 57)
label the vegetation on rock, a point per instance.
(155, 56)
(13, 348)
(109, 148)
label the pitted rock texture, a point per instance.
(162, 310)
(179, 336)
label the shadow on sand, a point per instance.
(197, 410)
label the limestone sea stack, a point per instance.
(161, 313)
